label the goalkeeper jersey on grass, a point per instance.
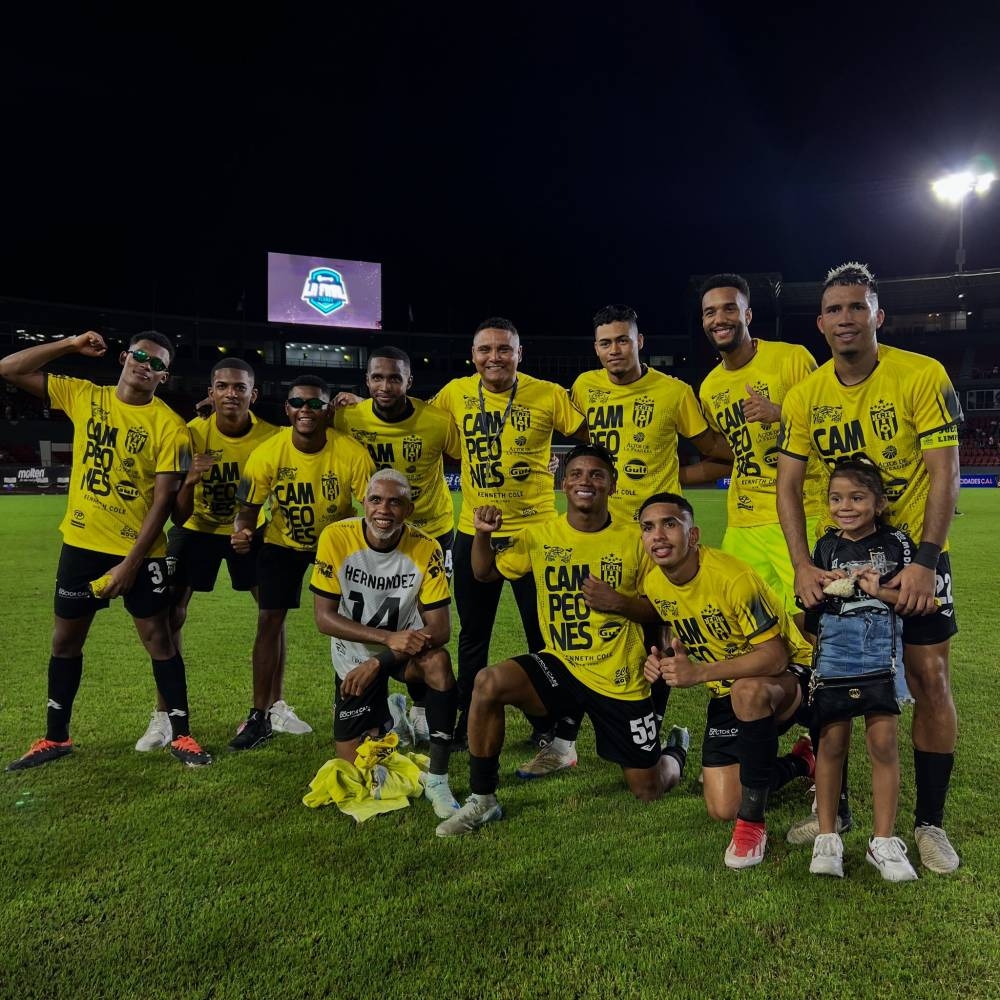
(379, 589)
(118, 451)
(771, 372)
(639, 423)
(506, 443)
(413, 445)
(604, 651)
(215, 503)
(905, 407)
(308, 490)
(722, 612)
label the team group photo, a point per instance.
(585, 587)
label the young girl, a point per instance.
(859, 649)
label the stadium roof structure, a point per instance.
(921, 293)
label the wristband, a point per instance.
(927, 555)
(386, 660)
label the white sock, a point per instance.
(565, 748)
(436, 779)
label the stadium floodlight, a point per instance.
(954, 189)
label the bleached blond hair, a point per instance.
(852, 272)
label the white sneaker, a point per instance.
(400, 723)
(284, 720)
(477, 812)
(828, 856)
(421, 730)
(158, 733)
(936, 852)
(440, 797)
(805, 831)
(888, 855)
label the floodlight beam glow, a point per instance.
(953, 188)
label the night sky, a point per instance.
(531, 165)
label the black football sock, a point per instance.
(758, 749)
(64, 682)
(442, 707)
(172, 685)
(484, 774)
(932, 772)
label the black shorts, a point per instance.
(446, 541)
(279, 576)
(79, 567)
(356, 716)
(720, 745)
(928, 630)
(197, 555)
(627, 732)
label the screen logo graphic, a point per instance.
(324, 290)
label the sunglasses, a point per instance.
(145, 358)
(297, 402)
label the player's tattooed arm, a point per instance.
(22, 367)
(486, 520)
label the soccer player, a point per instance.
(586, 568)
(637, 413)
(311, 472)
(408, 435)
(199, 541)
(505, 420)
(130, 452)
(381, 592)
(730, 632)
(741, 398)
(899, 410)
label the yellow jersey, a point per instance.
(722, 612)
(905, 407)
(307, 491)
(506, 441)
(118, 451)
(379, 589)
(771, 372)
(413, 445)
(639, 423)
(215, 496)
(603, 651)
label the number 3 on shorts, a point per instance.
(156, 573)
(643, 730)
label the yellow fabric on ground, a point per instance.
(349, 786)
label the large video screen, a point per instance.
(324, 292)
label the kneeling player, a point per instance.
(731, 633)
(382, 594)
(586, 568)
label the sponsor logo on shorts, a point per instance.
(74, 595)
(722, 734)
(549, 676)
(351, 713)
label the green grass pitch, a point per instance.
(127, 875)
